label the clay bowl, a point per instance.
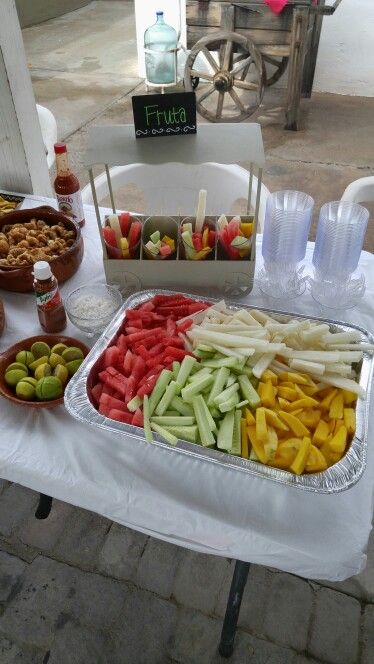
(10, 356)
(20, 279)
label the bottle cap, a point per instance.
(159, 13)
(42, 270)
(60, 148)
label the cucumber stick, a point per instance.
(170, 392)
(186, 367)
(217, 363)
(206, 436)
(220, 381)
(225, 406)
(147, 425)
(159, 389)
(248, 391)
(241, 404)
(185, 433)
(226, 432)
(236, 447)
(226, 394)
(199, 374)
(183, 408)
(134, 404)
(164, 433)
(177, 421)
(196, 387)
(176, 367)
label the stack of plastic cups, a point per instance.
(340, 237)
(286, 229)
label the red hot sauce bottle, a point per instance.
(67, 188)
(51, 311)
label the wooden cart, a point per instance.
(238, 49)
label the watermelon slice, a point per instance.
(125, 222)
(96, 392)
(120, 416)
(138, 419)
(112, 402)
(111, 356)
(165, 250)
(134, 234)
(110, 236)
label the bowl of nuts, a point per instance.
(37, 234)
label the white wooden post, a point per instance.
(23, 162)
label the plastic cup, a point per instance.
(340, 237)
(166, 226)
(190, 253)
(232, 253)
(116, 252)
(287, 221)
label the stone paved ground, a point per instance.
(79, 589)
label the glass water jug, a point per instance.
(160, 64)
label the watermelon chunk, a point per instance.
(130, 389)
(147, 386)
(112, 402)
(211, 238)
(127, 364)
(134, 234)
(110, 236)
(111, 356)
(197, 241)
(122, 343)
(138, 369)
(165, 250)
(120, 416)
(233, 229)
(96, 392)
(125, 222)
(138, 419)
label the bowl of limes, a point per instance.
(34, 372)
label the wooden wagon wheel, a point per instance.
(232, 82)
(280, 63)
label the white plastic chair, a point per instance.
(172, 189)
(360, 191)
(48, 126)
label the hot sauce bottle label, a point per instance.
(71, 205)
(48, 300)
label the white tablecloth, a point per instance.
(182, 500)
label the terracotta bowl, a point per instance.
(20, 279)
(10, 356)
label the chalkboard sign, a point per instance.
(164, 115)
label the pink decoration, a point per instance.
(276, 5)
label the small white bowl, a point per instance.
(91, 308)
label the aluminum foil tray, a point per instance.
(339, 477)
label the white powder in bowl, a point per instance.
(93, 306)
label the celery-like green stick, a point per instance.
(164, 433)
(226, 394)
(206, 371)
(162, 382)
(170, 392)
(218, 385)
(176, 367)
(226, 431)
(241, 404)
(186, 367)
(185, 433)
(229, 404)
(248, 391)
(214, 412)
(206, 435)
(183, 408)
(231, 380)
(208, 415)
(134, 404)
(247, 371)
(147, 426)
(236, 447)
(196, 387)
(221, 362)
(177, 421)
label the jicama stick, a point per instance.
(200, 214)
(344, 383)
(366, 348)
(235, 341)
(314, 333)
(246, 317)
(322, 356)
(308, 367)
(262, 364)
(342, 337)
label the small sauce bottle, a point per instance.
(67, 188)
(51, 311)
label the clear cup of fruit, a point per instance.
(160, 238)
(122, 234)
(235, 237)
(198, 244)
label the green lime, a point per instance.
(25, 356)
(13, 376)
(25, 391)
(38, 362)
(73, 366)
(39, 349)
(58, 348)
(55, 359)
(30, 380)
(16, 365)
(43, 370)
(72, 353)
(49, 388)
(62, 373)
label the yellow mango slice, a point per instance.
(310, 417)
(280, 462)
(293, 377)
(244, 438)
(169, 240)
(124, 246)
(257, 445)
(315, 462)
(338, 425)
(321, 433)
(331, 424)
(246, 228)
(249, 417)
(330, 456)
(205, 237)
(349, 397)
(330, 395)
(268, 395)
(350, 420)
(271, 443)
(298, 464)
(336, 407)
(273, 419)
(261, 426)
(309, 390)
(306, 402)
(295, 425)
(339, 441)
(200, 255)
(283, 403)
(270, 375)
(287, 393)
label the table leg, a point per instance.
(239, 579)
(44, 506)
